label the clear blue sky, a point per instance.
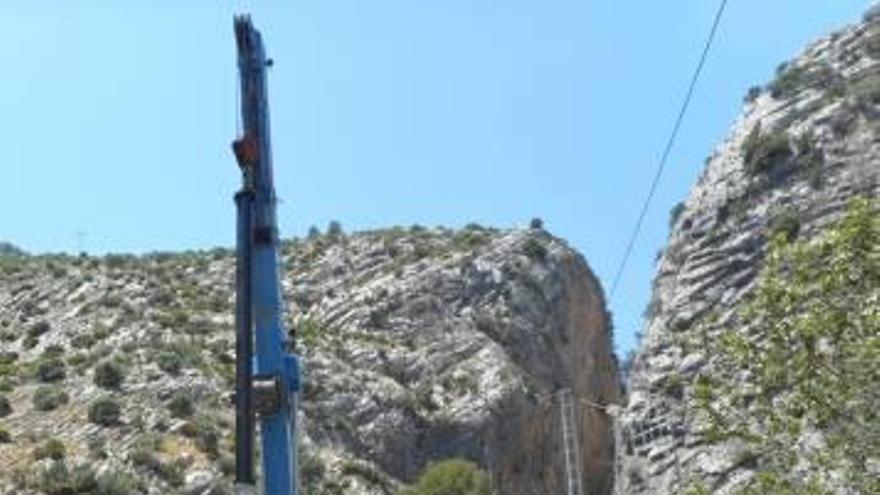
(116, 117)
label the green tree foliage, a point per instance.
(798, 380)
(451, 477)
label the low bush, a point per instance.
(115, 483)
(109, 374)
(451, 477)
(181, 405)
(49, 397)
(51, 370)
(169, 362)
(794, 78)
(786, 223)
(5, 407)
(205, 435)
(536, 224)
(534, 249)
(675, 213)
(105, 412)
(753, 94)
(52, 449)
(39, 328)
(763, 151)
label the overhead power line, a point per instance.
(669, 144)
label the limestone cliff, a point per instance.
(804, 146)
(419, 345)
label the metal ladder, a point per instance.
(571, 447)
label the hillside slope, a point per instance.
(419, 345)
(804, 147)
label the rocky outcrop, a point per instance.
(419, 345)
(803, 147)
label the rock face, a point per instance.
(804, 146)
(419, 345)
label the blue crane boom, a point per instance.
(267, 376)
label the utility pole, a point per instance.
(571, 451)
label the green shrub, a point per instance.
(762, 151)
(536, 224)
(105, 412)
(5, 436)
(169, 362)
(810, 158)
(181, 405)
(872, 45)
(311, 468)
(470, 239)
(5, 407)
(451, 477)
(144, 456)
(675, 213)
(109, 374)
(534, 249)
(52, 449)
(203, 430)
(794, 78)
(49, 397)
(54, 479)
(178, 355)
(53, 350)
(51, 370)
(8, 357)
(83, 479)
(866, 91)
(115, 483)
(30, 341)
(364, 471)
(786, 223)
(334, 229)
(753, 94)
(39, 328)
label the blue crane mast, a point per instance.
(266, 375)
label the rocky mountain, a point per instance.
(805, 145)
(419, 345)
